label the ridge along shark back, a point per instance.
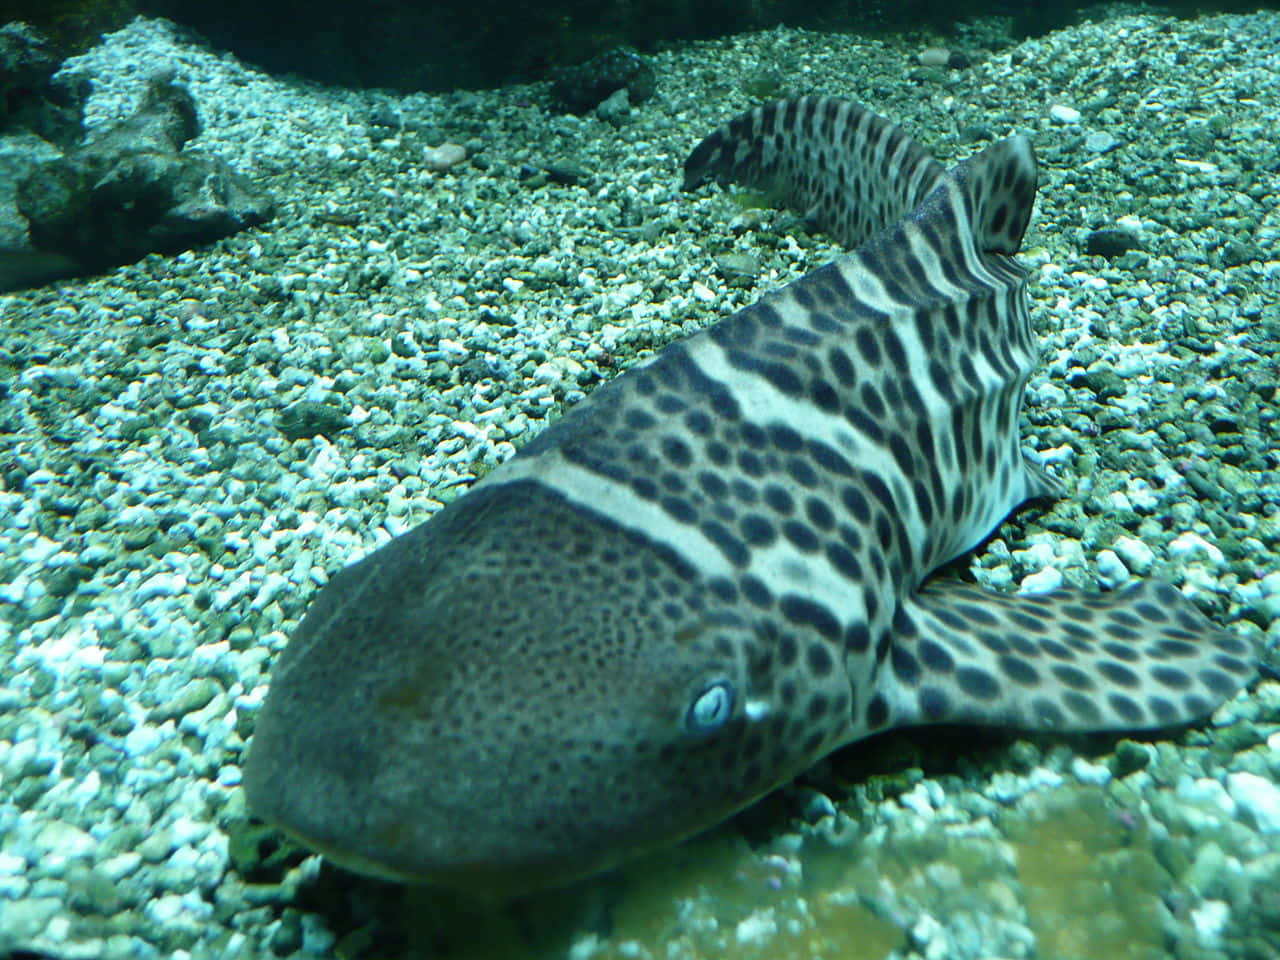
(715, 569)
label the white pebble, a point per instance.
(1210, 920)
(120, 866)
(917, 799)
(11, 863)
(1036, 556)
(585, 947)
(1258, 797)
(757, 928)
(61, 839)
(1111, 569)
(1137, 556)
(441, 158)
(929, 934)
(142, 739)
(1120, 502)
(161, 585)
(547, 373)
(1064, 114)
(164, 910)
(1270, 584)
(1087, 772)
(452, 348)
(1190, 544)
(1142, 496)
(1206, 793)
(1042, 581)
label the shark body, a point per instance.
(715, 569)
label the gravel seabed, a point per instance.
(162, 533)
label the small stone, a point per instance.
(738, 265)
(194, 695)
(444, 157)
(61, 839)
(1235, 253)
(1111, 569)
(1130, 757)
(1109, 242)
(1086, 772)
(1064, 114)
(933, 57)
(1258, 797)
(1042, 581)
(1210, 920)
(547, 373)
(161, 585)
(136, 536)
(142, 740)
(1099, 141)
(615, 109)
(757, 929)
(1189, 545)
(403, 344)
(1136, 555)
(307, 418)
(815, 805)
(62, 581)
(26, 920)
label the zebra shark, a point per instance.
(716, 569)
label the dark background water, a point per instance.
(428, 45)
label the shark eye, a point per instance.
(711, 708)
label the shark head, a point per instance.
(512, 696)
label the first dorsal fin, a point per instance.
(998, 186)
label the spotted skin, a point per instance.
(1136, 658)
(848, 170)
(714, 570)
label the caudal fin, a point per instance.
(849, 171)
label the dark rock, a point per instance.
(583, 87)
(1199, 140)
(384, 122)
(1129, 757)
(1105, 383)
(473, 370)
(1110, 242)
(738, 266)
(31, 97)
(976, 133)
(38, 115)
(566, 173)
(127, 192)
(307, 418)
(1235, 253)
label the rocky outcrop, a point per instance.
(34, 97)
(70, 207)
